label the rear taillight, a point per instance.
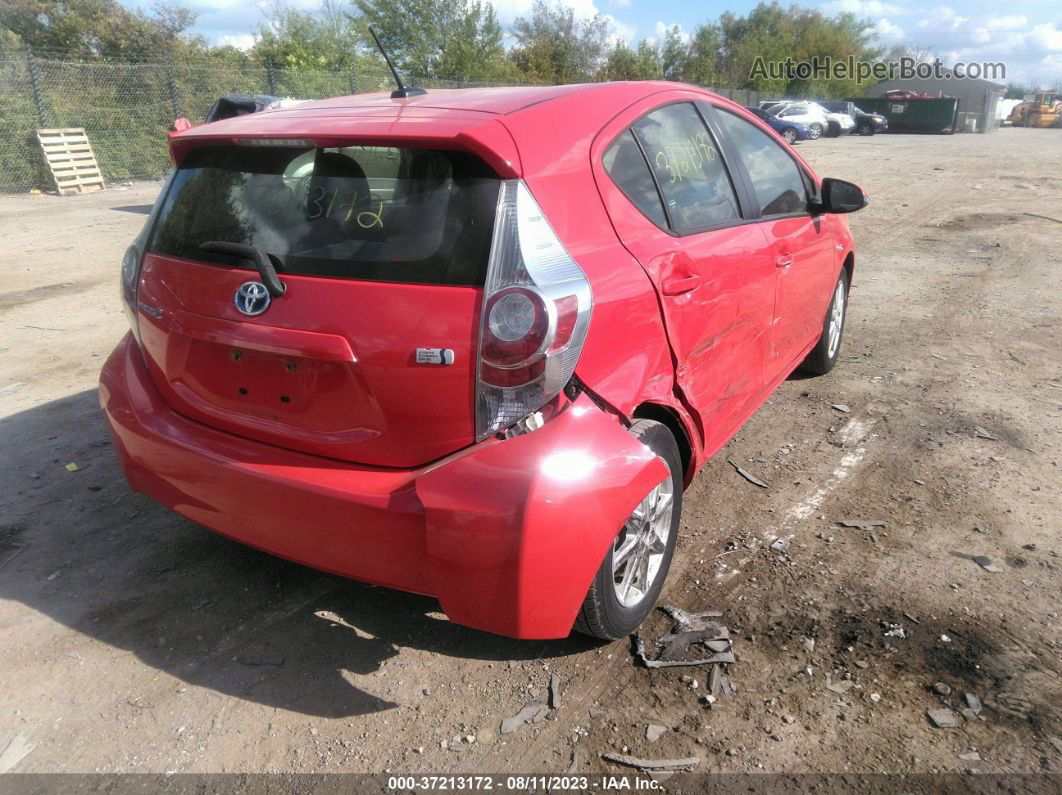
(130, 279)
(536, 311)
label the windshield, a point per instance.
(357, 212)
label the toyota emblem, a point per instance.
(252, 298)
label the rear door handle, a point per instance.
(783, 260)
(684, 285)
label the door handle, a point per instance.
(783, 260)
(683, 285)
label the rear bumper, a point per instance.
(506, 534)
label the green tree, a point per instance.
(447, 39)
(553, 46)
(94, 29)
(325, 39)
(642, 63)
(674, 54)
(703, 56)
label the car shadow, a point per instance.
(81, 548)
(139, 209)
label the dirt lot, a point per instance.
(127, 631)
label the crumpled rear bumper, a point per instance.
(506, 534)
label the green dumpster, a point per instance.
(913, 115)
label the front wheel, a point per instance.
(824, 355)
(789, 135)
(866, 128)
(631, 576)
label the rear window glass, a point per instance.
(359, 212)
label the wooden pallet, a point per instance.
(71, 159)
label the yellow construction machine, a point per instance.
(1040, 110)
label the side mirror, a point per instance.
(839, 196)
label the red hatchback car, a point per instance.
(472, 344)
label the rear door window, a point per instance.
(688, 167)
(359, 212)
(776, 179)
(626, 166)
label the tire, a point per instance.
(790, 135)
(833, 129)
(814, 130)
(824, 355)
(866, 128)
(603, 614)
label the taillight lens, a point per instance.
(130, 279)
(536, 312)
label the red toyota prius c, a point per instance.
(474, 343)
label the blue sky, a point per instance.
(1026, 35)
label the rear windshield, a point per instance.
(357, 212)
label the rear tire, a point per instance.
(814, 130)
(604, 613)
(824, 355)
(833, 129)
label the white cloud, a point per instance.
(241, 41)
(661, 29)
(620, 3)
(1045, 38)
(943, 18)
(863, 8)
(1007, 23)
(888, 32)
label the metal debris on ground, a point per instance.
(983, 434)
(841, 407)
(689, 630)
(687, 763)
(531, 712)
(862, 524)
(554, 691)
(986, 564)
(942, 718)
(755, 481)
(895, 631)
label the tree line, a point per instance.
(460, 40)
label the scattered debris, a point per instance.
(532, 711)
(1057, 743)
(862, 524)
(595, 711)
(841, 407)
(986, 564)
(755, 481)
(983, 434)
(72, 467)
(973, 703)
(875, 697)
(654, 731)
(687, 763)
(970, 756)
(808, 644)
(780, 544)
(862, 664)
(942, 718)
(895, 631)
(838, 687)
(261, 659)
(942, 689)
(788, 720)
(945, 638)
(554, 691)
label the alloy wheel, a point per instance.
(639, 549)
(836, 319)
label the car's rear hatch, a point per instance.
(370, 353)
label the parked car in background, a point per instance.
(791, 131)
(865, 123)
(816, 122)
(413, 341)
(832, 124)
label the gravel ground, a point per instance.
(129, 632)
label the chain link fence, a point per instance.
(127, 108)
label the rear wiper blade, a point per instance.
(266, 270)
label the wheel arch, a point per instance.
(668, 417)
